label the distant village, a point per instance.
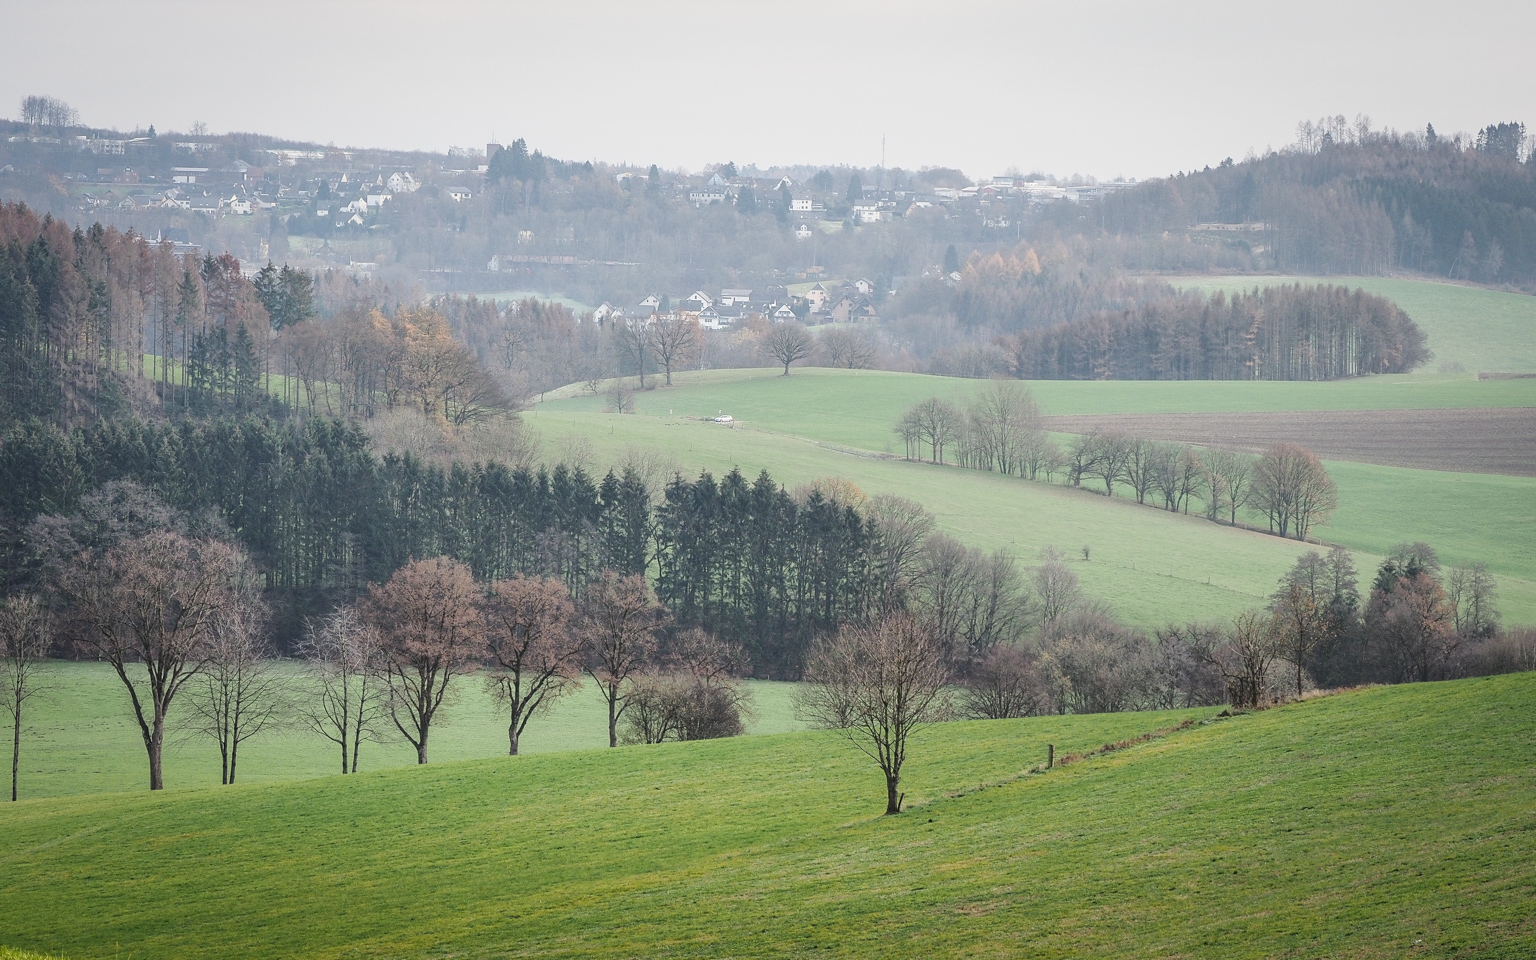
(180, 183)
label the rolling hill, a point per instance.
(1152, 566)
(1381, 822)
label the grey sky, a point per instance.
(1140, 89)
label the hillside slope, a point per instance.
(1386, 822)
(1154, 567)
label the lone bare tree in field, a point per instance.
(239, 693)
(674, 341)
(875, 685)
(149, 607)
(24, 637)
(427, 618)
(788, 342)
(535, 655)
(350, 694)
(619, 633)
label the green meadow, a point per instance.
(80, 736)
(1386, 822)
(1470, 327)
(1153, 567)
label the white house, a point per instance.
(703, 195)
(731, 297)
(459, 195)
(864, 286)
(525, 236)
(866, 214)
(238, 206)
(783, 314)
(803, 232)
(697, 301)
(375, 200)
(402, 182)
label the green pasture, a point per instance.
(1389, 822)
(1476, 328)
(80, 736)
(1152, 566)
(859, 408)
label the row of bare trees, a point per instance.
(179, 617)
(1000, 429)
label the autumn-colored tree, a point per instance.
(875, 685)
(24, 637)
(1412, 630)
(535, 656)
(618, 629)
(148, 607)
(427, 617)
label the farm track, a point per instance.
(1490, 440)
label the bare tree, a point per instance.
(1471, 591)
(239, 693)
(1004, 684)
(788, 342)
(1056, 590)
(427, 618)
(1412, 630)
(674, 340)
(148, 607)
(1302, 627)
(343, 657)
(901, 527)
(619, 633)
(697, 695)
(1293, 490)
(24, 638)
(1244, 655)
(875, 685)
(635, 336)
(1002, 417)
(848, 349)
(933, 422)
(535, 656)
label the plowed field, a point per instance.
(1493, 440)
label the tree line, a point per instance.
(1000, 429)
(1291, 332)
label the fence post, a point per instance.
(1050, 755)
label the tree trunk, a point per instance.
(344, 751)
(234, 756)
(156, 742)
(892, 798)
(613, 716)
(421, 748)
(15, 750)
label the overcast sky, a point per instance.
(1118, 88)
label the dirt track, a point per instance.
(1488, 440)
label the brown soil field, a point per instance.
(1488, 440)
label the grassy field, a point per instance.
(81, 738)
(1383, 823)
(1471, 327)
(1152, 566)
